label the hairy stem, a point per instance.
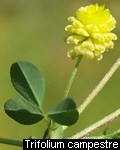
(11, 142)
(99, 87)
(97, 125)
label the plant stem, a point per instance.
(11, 142)
(75, 69)
(99, 87)
(97, 125)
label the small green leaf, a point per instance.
(46, 133)
(116, 135)
(23, 111)
(56, 130)
(28, 81)
(64, 113)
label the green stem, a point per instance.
(100, 86)
(11, 142)
(69, 84)
(97, 125)
(75, 69)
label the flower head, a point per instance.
(90, 31)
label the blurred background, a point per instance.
(34, 31)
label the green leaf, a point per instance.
(46, 133)
(116, 134)
(23, 111)
(28, 81)
(64, 113)
(56, 130)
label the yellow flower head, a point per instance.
(91, 32)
